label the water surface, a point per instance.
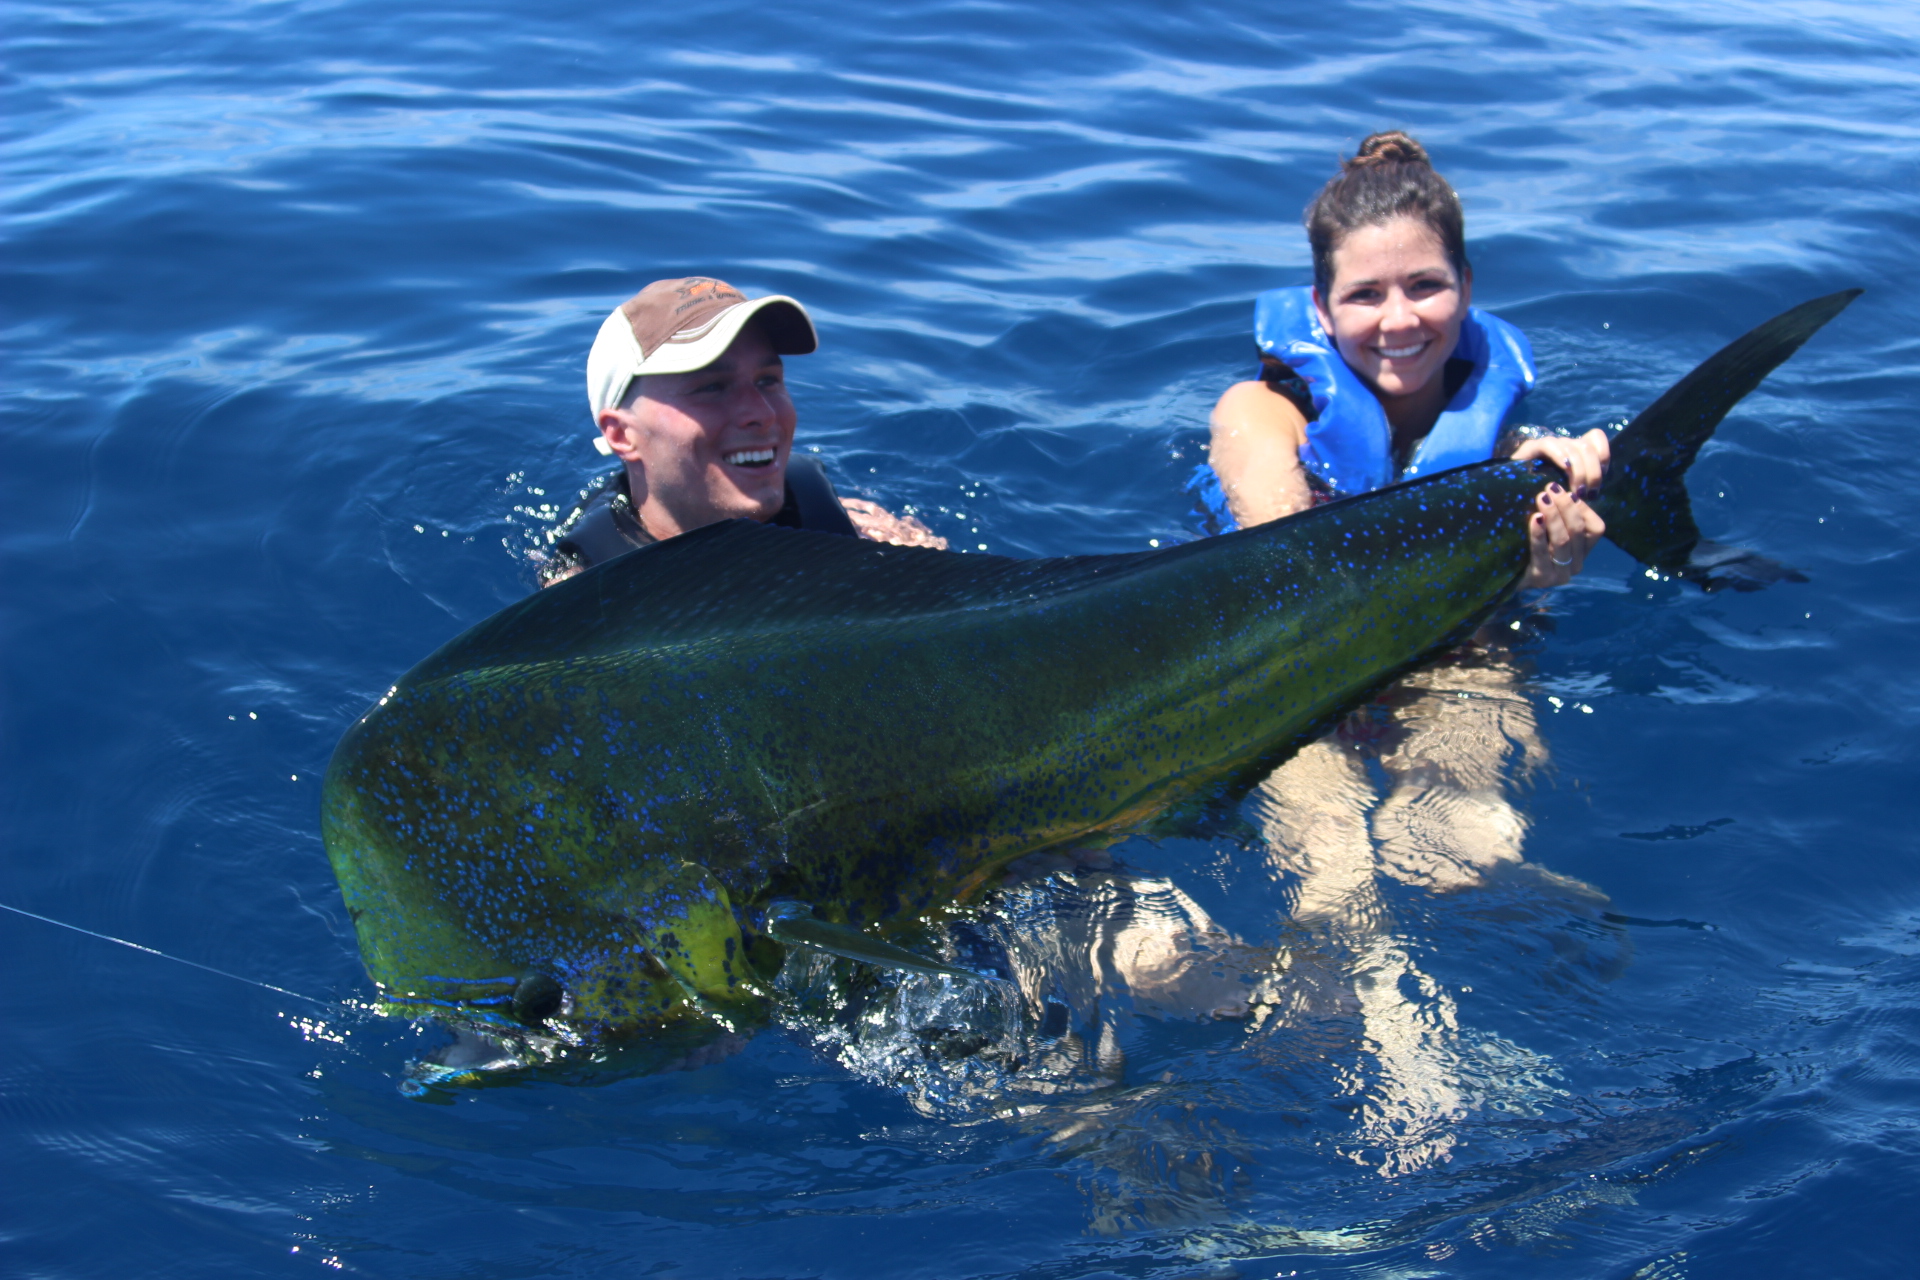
(296, 301)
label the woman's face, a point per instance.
(1395, 305)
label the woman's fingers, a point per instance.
(1583, 458)
(1588, 455)
(1559, 535)
(1563, 528)
(1602, 448)
(1592, 528)
(1564, 549)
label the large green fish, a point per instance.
(599, 811)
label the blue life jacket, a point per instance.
(1349, 444)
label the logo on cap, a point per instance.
(678, 310)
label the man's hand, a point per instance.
(1564, 528)
(877, 524)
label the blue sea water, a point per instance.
(295, 303)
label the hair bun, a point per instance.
(1391, 147)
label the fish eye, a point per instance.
(537, 997)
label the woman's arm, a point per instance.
(1257, 434)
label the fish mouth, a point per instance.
(1407, 352)
(750, 458)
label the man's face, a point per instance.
(708, 445)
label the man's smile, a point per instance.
(749, 457)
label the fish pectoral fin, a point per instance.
(795, 924)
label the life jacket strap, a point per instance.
(811, 499)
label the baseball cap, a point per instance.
(677, 326)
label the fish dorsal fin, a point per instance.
(738, 577)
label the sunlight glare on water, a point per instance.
(296, 303)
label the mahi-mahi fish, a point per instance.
(604, 812)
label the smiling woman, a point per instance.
(1413, 381)
(1380, 372)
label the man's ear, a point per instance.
(620, 428)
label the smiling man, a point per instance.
(689, 391)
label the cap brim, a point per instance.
(787, 325)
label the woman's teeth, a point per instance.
(1401, 353)
(748, 458)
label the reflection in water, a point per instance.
(1330, 1023)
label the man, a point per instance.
(688, 389)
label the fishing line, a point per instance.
(195, 964)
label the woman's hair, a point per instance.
(1390, 177)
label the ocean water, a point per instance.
(295, 302)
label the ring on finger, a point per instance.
(1562, 563)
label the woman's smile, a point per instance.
(1404, 352)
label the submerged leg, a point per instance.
(1354, 967)
(1447, 821)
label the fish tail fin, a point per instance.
(1644, 499)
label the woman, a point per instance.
(1384, 370)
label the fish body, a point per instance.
(579, 813)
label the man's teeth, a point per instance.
(748, 458)
(1401, 353)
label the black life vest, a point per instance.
(604, 524)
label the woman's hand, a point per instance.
(1564, 528)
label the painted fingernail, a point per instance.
(1553, 488)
